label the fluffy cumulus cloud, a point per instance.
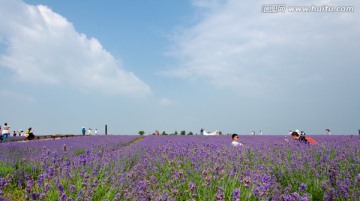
(43, 47)
(235, 45)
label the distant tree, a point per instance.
(164, 133)
(141, 132)
(190, 133)
(183, 133)
(175, 133)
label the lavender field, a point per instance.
(180, 168)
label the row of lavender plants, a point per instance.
(268, 168)
(182, 168)
(61, 169)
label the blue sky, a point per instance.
(178, 65)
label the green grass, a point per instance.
(79, 151)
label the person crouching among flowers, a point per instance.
(235, 139)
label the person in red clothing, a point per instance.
(302, 138)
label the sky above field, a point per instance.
(226, 65)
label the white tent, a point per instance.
(213, 133)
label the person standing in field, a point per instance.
(5, 132)
(26, 135)
(95, 131)
(235, 139)
(29, 135)
(89, 131)
(14, 133)
(83, 130)
(303, 133)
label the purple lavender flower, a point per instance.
(63, 196)
(266, 179)
(142, 185)
(164, 196)
(174, 192)
(117, 197)
(46, 187)
(192, 186)
(40, 180)
(330, 195)
(42, 196)
(295, 195)
(332, 173)
(81, 194)
(51, 171)
(305, 198)
(35, 195)
(29, 183)
(220, 194)
(61, 188)
(344, 189)
(2, 182)
(302, 187)
(236, 195)
(256, 191)
(72, 188)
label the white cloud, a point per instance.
(43, 47)
(16, 96)
(166, 101)
(235, 45)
